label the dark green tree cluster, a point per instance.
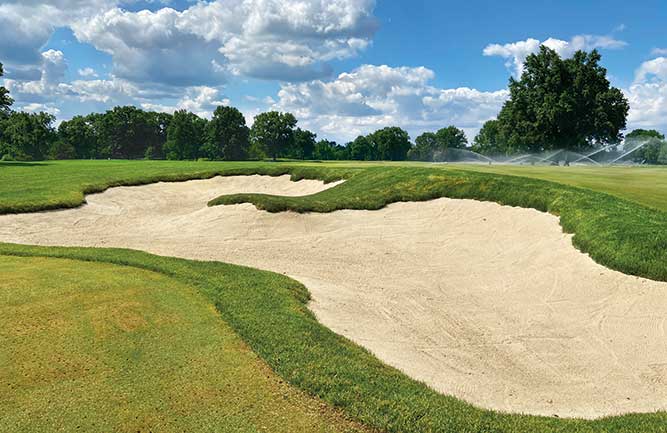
(557, 104)
(436, 146)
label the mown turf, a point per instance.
(269, 312)
(96, 347)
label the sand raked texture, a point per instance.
(488, 303)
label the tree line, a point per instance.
(556, 104)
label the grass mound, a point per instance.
(100, 347)
(618, 234)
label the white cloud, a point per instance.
(289, 40)
(37, 108)
(51, 74)
(656, 68)
(87, 73)
(372, 97)
(516, 52)
(659, 51)
(201, 100)
(648, 96)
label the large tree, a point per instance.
(126, 132)
(227, 135)
(392, 143)
(273, 131)
(562, 104)
(362, 149)
(184, 136)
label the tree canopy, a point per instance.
(273, 131)
(559, 104)
(432, 146)
(391, 144)
(227, 136)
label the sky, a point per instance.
(343, 67)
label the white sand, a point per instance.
(489, 303)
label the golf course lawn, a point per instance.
(102, 347)
(268, 311)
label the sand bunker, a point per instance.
(489, 303)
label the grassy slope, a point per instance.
(269, 312)
(100, 347)
(644, 185)
(617, 233)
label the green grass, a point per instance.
(97, 347)
(268, 311)
(617, 233)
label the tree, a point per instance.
(5, 100)
(126, 132)
(27, 136)
(451, 137)
(562, 104)
(362, 149)
(392, 143)
(644, 134)
(650, 144)
(303, 144)
(227, 135)
(183, 136)
(273, 131)
(425, 146)
(324, 150)
(79, 135)
(489, 139)
(433, 146)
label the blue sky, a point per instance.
(344, 67)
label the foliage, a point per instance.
(362, 149)
(303, 145)
(489, 139)
(391, 144)
(79, 134)
(5, 100)
(433, 146)
(652, 144)
(26, 136)
(227, 135)
(561, 104)
(184, 136)
(273, 131)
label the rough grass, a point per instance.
(269, 312)
(97, 347)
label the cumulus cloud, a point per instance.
(290, 40)
(372, 97)
(648, 96)
(516, 52)
(26, 25)
(201, 100)
(87, 73)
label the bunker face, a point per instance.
(489, 303)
